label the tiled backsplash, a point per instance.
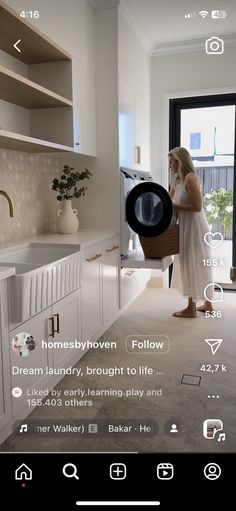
(27, 179)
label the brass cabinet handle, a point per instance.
(90, 259)
(138, 154)
(53, 330)
(57, 330)
(113, 248)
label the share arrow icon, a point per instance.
(214, 344)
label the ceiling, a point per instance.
(162, 22)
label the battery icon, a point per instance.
(218, 14)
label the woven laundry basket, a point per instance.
(163, 245)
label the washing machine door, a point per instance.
(149, 209)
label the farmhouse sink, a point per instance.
(36, 253)
(45, 273)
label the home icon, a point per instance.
(23, 472)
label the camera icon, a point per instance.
(214, 46)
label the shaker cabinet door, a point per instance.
(84, 109)
(91, 287)
(126, 125)
(66, 328)
(110, 281)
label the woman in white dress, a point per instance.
(189, 273)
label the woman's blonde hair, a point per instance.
(181, 155)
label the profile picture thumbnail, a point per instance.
(23, 343)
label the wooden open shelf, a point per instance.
(16, 89)
(49, 114)
(35, 46)
(15, 141)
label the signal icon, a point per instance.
(190, 15)
(203, 14)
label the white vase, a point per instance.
(67, 221)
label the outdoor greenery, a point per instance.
(218, 206)
(66, 186)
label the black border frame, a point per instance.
(175, 107)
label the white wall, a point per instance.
(189, 73)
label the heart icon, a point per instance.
(213, 240)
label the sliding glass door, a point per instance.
(206, 127)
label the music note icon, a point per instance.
(23, 428)
(221, 437)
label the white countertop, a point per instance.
(84, 238)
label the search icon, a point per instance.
(70, 474)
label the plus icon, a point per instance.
(118, 471)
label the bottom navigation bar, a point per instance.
(106, 480)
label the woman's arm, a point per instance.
(195, 200)
(173, 185)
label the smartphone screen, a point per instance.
(117, 252)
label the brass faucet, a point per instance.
(10, 202)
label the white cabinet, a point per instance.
(61, 322)
(100, 288)
(66, 326)
(84, 314)
(110, 281)
(5, 386)
(84, 109)
(132, 282)
(91, 287)
(134, 129)
(142, 134)
(126, 125)
(36, 361)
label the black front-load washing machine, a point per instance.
(149, 209)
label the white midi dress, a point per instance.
(190, 275)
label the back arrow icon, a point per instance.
(15, 45)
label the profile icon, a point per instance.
(212, 471)
(22, 344)
(174, 429)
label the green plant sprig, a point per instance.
(218, 205)
(66, 185)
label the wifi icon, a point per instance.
(203, 14)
